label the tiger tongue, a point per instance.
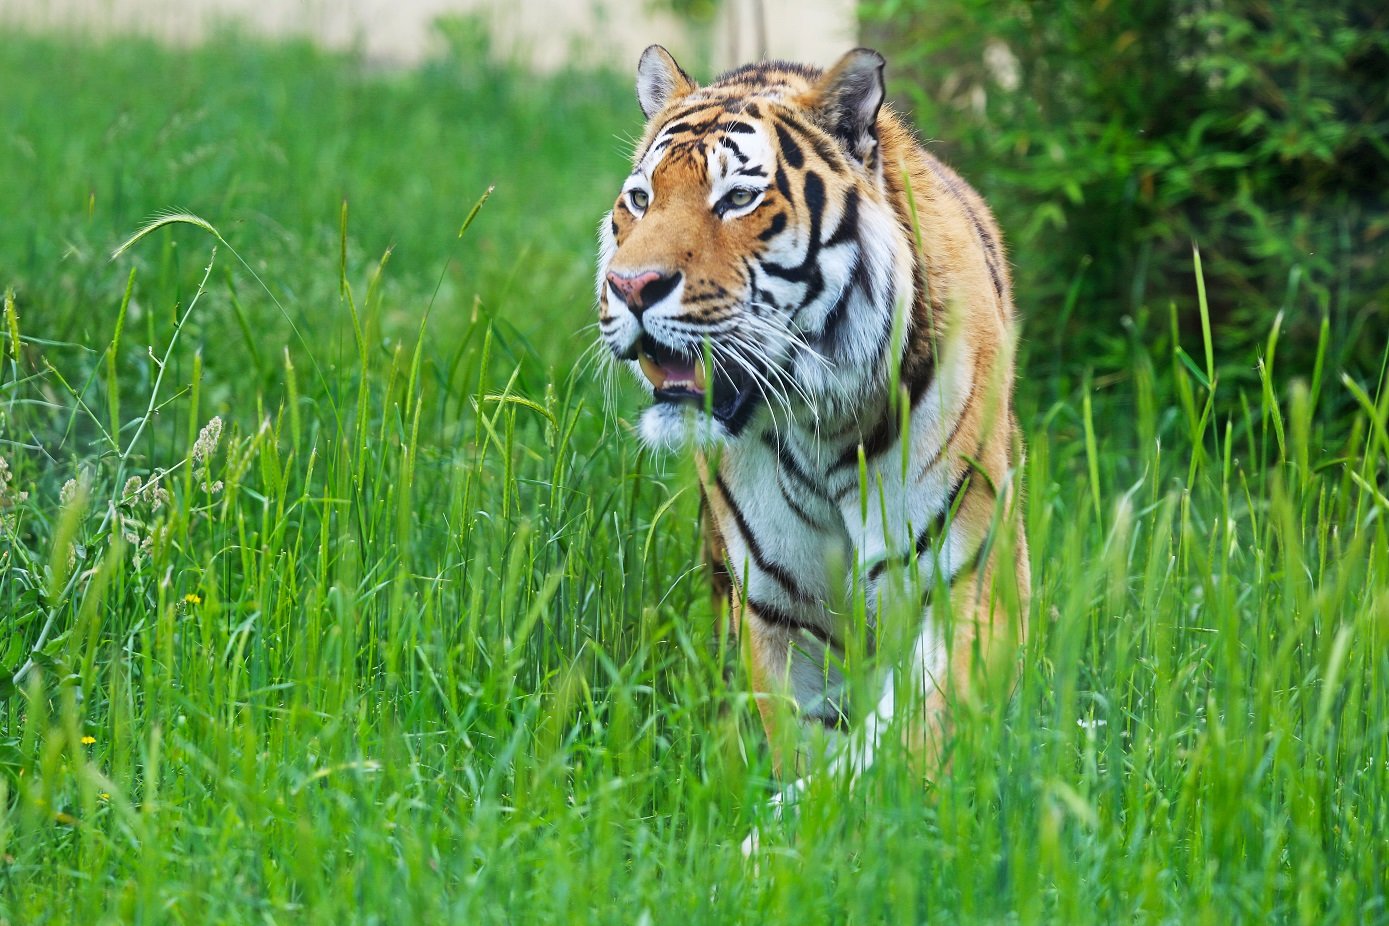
(674, 373)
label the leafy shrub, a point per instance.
(1110, 136)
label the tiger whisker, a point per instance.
(735, 350)
(759, 380)
(788, 337)
(756, 353)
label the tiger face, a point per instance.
(748, 266)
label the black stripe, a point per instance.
(823, 150)
(917, 370)
(790, 151)
(692, 128)
(792, 465)
(685, 112)
(990, 254)
(927, 536)
(814, 194)
(761, 299)
(741, 128)
(779, 618)
(730, 145)
(798, 274)
(875, 443)
(932, 530)
(848, 223)
(808, 272)
(738, 420)
(972, 563)
(858, 278)
(805, 516)
(717, 293)
(767, 72)
(698, 322)
(777, 226)
(783, 187)
(884, 432)
(773, 569)
(658, 142)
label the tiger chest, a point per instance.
(785, 540)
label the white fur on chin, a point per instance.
(669, 427)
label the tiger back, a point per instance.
(822, 313)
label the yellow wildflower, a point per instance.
(88, 740)
(193, 598)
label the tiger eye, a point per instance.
(640, 199)
(741, 197)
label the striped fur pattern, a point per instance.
(822, 312)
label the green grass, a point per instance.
(437, 649)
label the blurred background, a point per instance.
(544, 34)
(1108, 136)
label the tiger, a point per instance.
(822, 315)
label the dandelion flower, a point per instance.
(88, 740)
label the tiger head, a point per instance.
(753, 258)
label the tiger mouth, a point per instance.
(677, 377)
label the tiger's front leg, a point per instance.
(951, 651)
(797, 685)
(919, 692)
(786, 552)
(796, 681)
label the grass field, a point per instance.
(422, 639)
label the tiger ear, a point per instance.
(660, 80)
(846, 101)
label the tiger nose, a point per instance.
(642, 290)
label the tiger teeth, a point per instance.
(660, 378)
(652, 370)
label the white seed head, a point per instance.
(206, 444)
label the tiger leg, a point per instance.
(795, 681)
(726, 604)
(918, 696)
(954, 659)
(796, 689)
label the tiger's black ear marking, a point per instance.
(846, 101)
(660, 81)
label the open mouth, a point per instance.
(679, 377)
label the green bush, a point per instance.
(1110, 136)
